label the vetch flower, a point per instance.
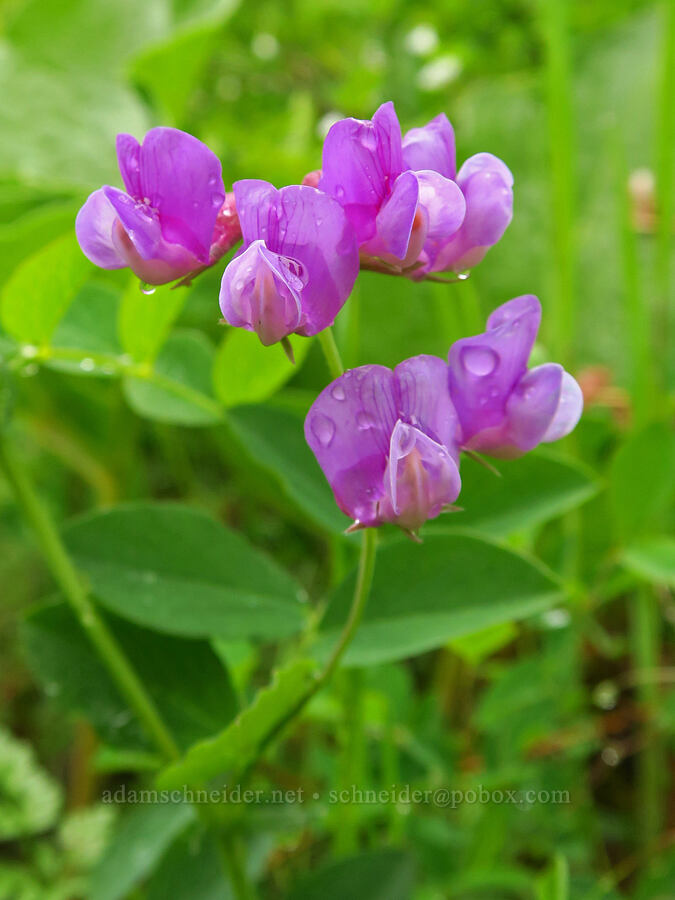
(504, 408)
(297, 265)
(387, 442)
(398, 207)
(174, 219)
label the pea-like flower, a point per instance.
(398, 206)
(174, 219)
(486, 184)
(387, 442)
(297, 265)
(504, 408)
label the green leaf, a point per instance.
(178, 388)
(145, 319)
(652, 559)
(377, 875)
(139, 842)
(41, 289)
(642, 478)
(530, 491)
(238, 745)
(30, 799)
(187, 681)
(275, 440)
(177, 570)
(35, 228)
(88, 327)
(247, 372)
(191, 870)
(424, 595)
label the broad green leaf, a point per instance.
(169, 71)
(191, 869)
(424, 595)
(34, 229)
(140, 840)
(187, 681)
(247, 372)
(378, 875)
(237, 746)
(530, 491)
(40, 290)
(179, 571)
(89, 330)
(145, 319)
(275, 440)
(642, 479)
(652, 559)
(177, 389)
(30, 799)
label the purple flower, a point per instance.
(400, 201)
(297, 265)
(388, 442)
(504, 408)
(174, 218)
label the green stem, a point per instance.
(364, 580)
(110, 652)
(561, 146)
(637, 320)
(665, 187)
(73, 590)
(232, 861)
(652, 765)
(331, 352)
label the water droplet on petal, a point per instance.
(339, 192)
(147, 288)
(337, 392)
(480, 361)
(365, 420)
(217, 199)
(323, 429)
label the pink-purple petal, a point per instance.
(431, 147)
(420, 479)
(483, 370)
(141, 223)
(424, 399)
(260, 291)
(182, 179)
(348, 428)
(489, 210)
(129, 161)
(568, 411)
(94, 230)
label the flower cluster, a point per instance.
(389, 442)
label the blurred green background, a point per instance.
(578, 98)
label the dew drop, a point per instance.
(323, 429)
(87, 364)
(480, 361)
(147, 288)
(337, 392)
(339, 192)
(365, 420)
(217, 199)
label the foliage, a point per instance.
(521, 654)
